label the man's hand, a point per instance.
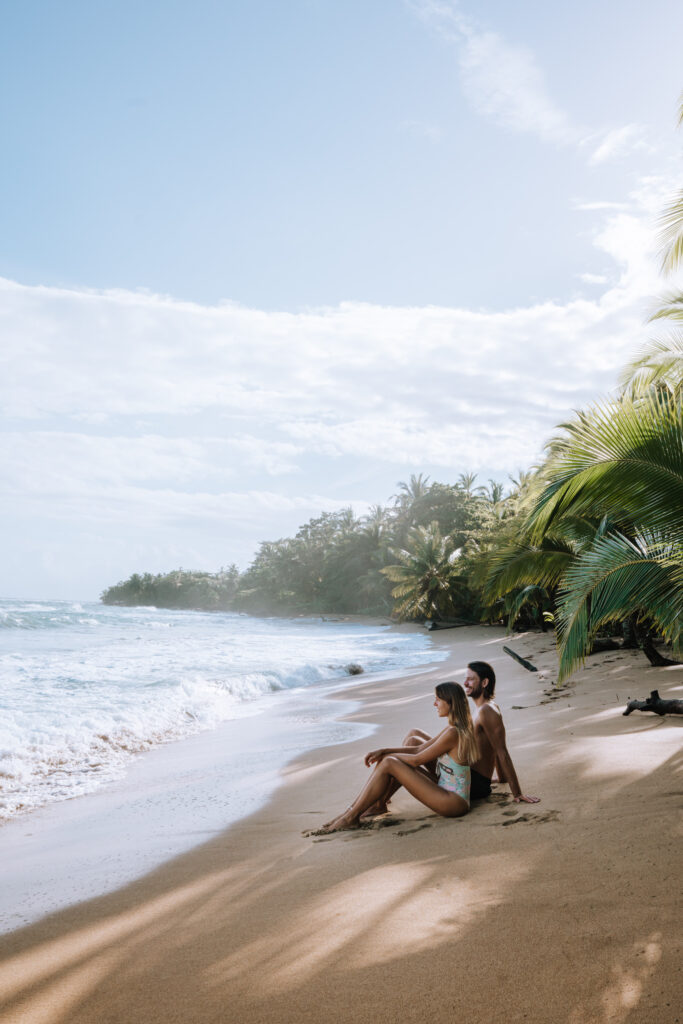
(521, 799)
(374, 757)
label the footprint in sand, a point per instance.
(534, 819)
(409, 831)
(365, 826)
(497, 798)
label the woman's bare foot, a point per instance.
(332, 821)
(379, 807)
(342, 823)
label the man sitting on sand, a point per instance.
(480, 685)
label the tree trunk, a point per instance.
(652, 654)
(655, 703)
(630, 630)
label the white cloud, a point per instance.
(600, 205)
(501, 81)
(207, 428)
(619, 141)
(593, 278)
(505, 83)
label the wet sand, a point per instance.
(567, 910)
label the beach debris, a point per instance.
(354, 669)
(526, 664)
(600, 645)
(432, 624)
(655, 703)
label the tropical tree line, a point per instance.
(589, 543)
(405, 558)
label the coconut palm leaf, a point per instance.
(615, 579)
(624, 460)
(520, 565)
(671, 225)
(671, 234)
(531, 595)
(660, 364)
(670, 308)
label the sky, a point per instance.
(259, 260)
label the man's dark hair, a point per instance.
(484, 671)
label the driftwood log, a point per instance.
(655, 703)
(527, 664)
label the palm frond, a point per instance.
(617, 578)
(624, 460)
(660, 364)
(522, 565)
(671, 234)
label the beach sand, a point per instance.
(563, 911)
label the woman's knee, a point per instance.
(412, 738)
(389, 764)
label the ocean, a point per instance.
(85, 688)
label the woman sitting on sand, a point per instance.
(437, 772)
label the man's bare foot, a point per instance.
(380, 807)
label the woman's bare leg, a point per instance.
(413, 739)
(442, 801)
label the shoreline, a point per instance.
(261, 923)
(203, 780)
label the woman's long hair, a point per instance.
(460, 718)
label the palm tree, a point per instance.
(424, 575)
(521, 573)
(466, 483)
(624, 460)
(522, 481)
(494, 492)
(409, 492)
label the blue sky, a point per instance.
(263, 258)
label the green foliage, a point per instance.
(602, 540)
(615, 578)
(619, 459)
(425, 575)
(178, 589)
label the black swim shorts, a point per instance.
(480, 786)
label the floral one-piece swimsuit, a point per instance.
(453, 776)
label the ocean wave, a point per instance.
(79, 702)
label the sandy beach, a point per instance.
(565, 911)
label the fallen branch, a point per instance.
(655, 703)
(527, 664)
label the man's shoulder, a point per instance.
(489, 711)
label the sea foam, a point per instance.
(84, 687)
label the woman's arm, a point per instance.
(426, 752)
(377, 755)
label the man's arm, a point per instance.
(492, 724)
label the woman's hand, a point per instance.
(521, 799)
(374, 757)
